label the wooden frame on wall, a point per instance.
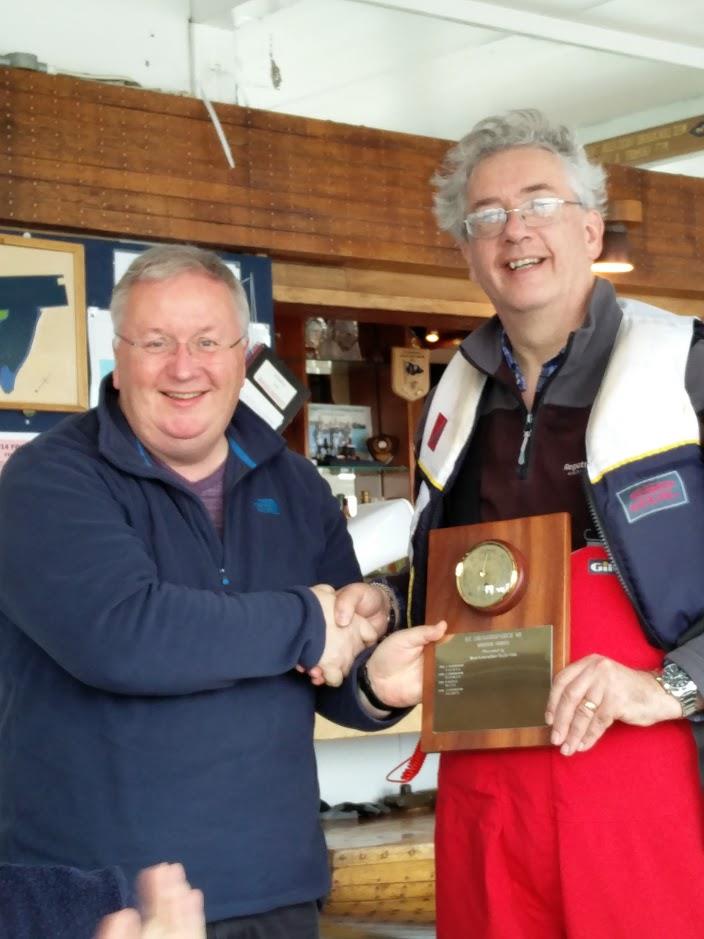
(43, 352)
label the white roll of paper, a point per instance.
(380, 532)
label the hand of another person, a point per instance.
(170, 908)
(395, 668)
(342, 643)
(589, 695)
(368, 600)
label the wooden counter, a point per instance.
(383, 870)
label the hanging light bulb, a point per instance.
(432, 335)
(615, 257)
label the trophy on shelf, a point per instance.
(341, 341)
(313, 333)
(382, 447)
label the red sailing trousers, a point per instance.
(607, 844)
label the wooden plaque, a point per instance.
(410, 372)
(486, 683)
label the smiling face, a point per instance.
(539, 270)
(179, 404)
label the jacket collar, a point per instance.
(593, 339)
(252, 442)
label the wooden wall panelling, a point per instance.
(290, 345)
(668, 248)
(85, 156)
(126, 132)
(389, 412)
(419, 295)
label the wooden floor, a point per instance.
(335, 928)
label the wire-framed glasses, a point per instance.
(199, 347)
(535, 213)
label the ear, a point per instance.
(593, 234)
(244, 345)
(115, 370)
(466, 250)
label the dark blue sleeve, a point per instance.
(342, 705)
(80, 583)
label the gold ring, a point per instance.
(589, 705)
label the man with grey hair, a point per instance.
(569, 397)
(167, 577)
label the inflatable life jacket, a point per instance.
(644, 475)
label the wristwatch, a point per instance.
(675, 681)
(394, 617)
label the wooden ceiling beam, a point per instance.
(652, 144)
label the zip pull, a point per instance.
(224, 580)
(527, 431)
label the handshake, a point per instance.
(356, 617)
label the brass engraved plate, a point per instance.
(491, 680)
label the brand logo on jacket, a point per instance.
(267, 506)
(600, 566)
(665, 491)
(574, 469)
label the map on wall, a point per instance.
(43, 363)
(22, 301)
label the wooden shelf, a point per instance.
(361, 468)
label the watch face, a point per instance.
(487, 575)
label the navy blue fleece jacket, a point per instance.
(149, 705)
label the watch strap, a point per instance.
(676, 682)
(394, 612)
(365, 686)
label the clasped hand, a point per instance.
(355, 618)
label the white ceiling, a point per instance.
(434, 67)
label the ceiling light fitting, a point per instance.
(615, 257)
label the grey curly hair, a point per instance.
(525, 127)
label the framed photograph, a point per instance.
(338, 432)
(43, 353)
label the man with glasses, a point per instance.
(569, 396)
(167, 576)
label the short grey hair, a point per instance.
(165, 261)
(526, 127)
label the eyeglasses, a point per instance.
(200, 347)
(535, 213)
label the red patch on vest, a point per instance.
(436, 433)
